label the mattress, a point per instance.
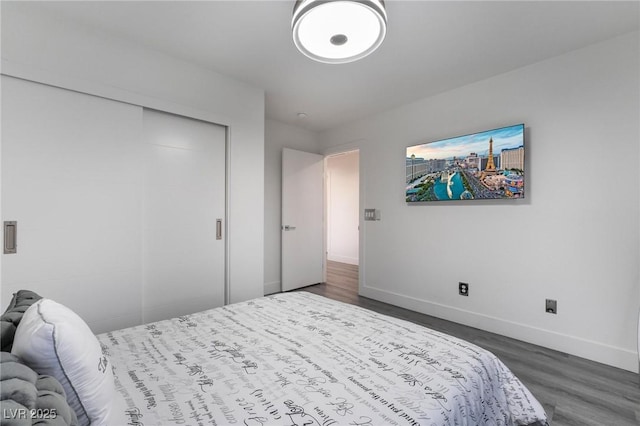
(302, 359)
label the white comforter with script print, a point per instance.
(302, 359)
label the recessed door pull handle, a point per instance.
(10, 237)
(218, 229)
(288, 228)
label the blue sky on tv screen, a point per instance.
(462, 146)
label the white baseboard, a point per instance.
(595, 351)
(272, 287)
(342, 259)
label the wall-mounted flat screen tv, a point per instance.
(484, 165)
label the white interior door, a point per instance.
(184, 207)
(302, 219)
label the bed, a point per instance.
(302, 359)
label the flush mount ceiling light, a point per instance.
(338, 31)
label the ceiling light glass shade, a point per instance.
(338, 31)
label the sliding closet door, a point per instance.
(184, 208)
(116, 206)
(71, 179)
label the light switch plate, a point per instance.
(371, 214)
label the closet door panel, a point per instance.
(184, 196)
(71, 178)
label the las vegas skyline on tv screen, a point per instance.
(484, 165)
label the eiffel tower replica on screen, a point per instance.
(491, 167)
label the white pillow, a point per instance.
(53, 340)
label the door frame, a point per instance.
(345, 149)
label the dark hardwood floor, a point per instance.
(342, 275)
(573, 390)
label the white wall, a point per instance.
(277, 136)
(575, 238)
(60, 53)
(343, 196)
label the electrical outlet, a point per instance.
(463, 289)
(551, 306)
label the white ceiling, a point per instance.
(431, 46)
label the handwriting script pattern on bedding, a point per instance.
(300, 359)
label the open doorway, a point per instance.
(342, 186)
